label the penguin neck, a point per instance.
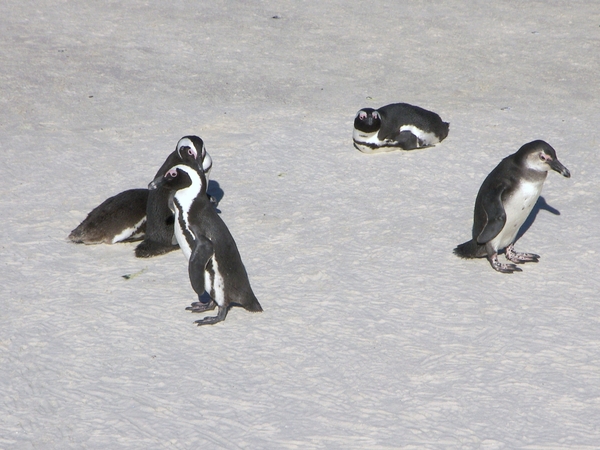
(184, 198)
(535, 176)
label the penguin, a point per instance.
(121, 218)
(504, 201)
(398, 125)
(214, 262)
(159, 238)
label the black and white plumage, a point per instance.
(504, 202)
(124, 217)
(121, 218)
(214, 262)
(159, 238)
(398, 125)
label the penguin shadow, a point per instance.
(215, 194)
(539, 205)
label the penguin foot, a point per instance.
(520, 258)
(213, 200)
(198, 307)
(150, 248)
(211, 320)
(500, 267)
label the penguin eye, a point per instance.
(172, 173)
(375, 115)
(362, 115)
(544, 157)
(190, 152)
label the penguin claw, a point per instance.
(520, 258)
(507, 268)
(213, 319)
(503, 268)
(198, 307)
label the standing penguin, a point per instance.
(504, 202)
(398, 125)
(214, 262)
(159, 237)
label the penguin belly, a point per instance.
(517, 208)
(214, 283)
(181, 238)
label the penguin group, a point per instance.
(176, 212)
(506, 197)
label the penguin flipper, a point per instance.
(406, 140)
(491, 203)
(202, 252)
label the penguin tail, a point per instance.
(253, 305)
(445, 129)
(467, 250)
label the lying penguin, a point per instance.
(121, 218)
(398, 125)
(504, 202)
(139, 213)
(214, 262)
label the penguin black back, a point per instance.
(215, 265)
(159, 218)
(398, 115)
(120, 218)
(398, 125)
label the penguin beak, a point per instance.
(556, 165)
(156, 183)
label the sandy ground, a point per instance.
(374, 335)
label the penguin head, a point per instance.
(181, 177)
(367, 120)
(194, 146)
(541, 157)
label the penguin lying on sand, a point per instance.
(121, 218)
(214, 262)
(124, 217)
(398, 125)
(504, 202)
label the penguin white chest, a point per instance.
(214, 283)
(181, 238)
(183, 200)
(517, 208)
(365, 142)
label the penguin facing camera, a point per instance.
(398, 125)
(504, 202)
(214, 262)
